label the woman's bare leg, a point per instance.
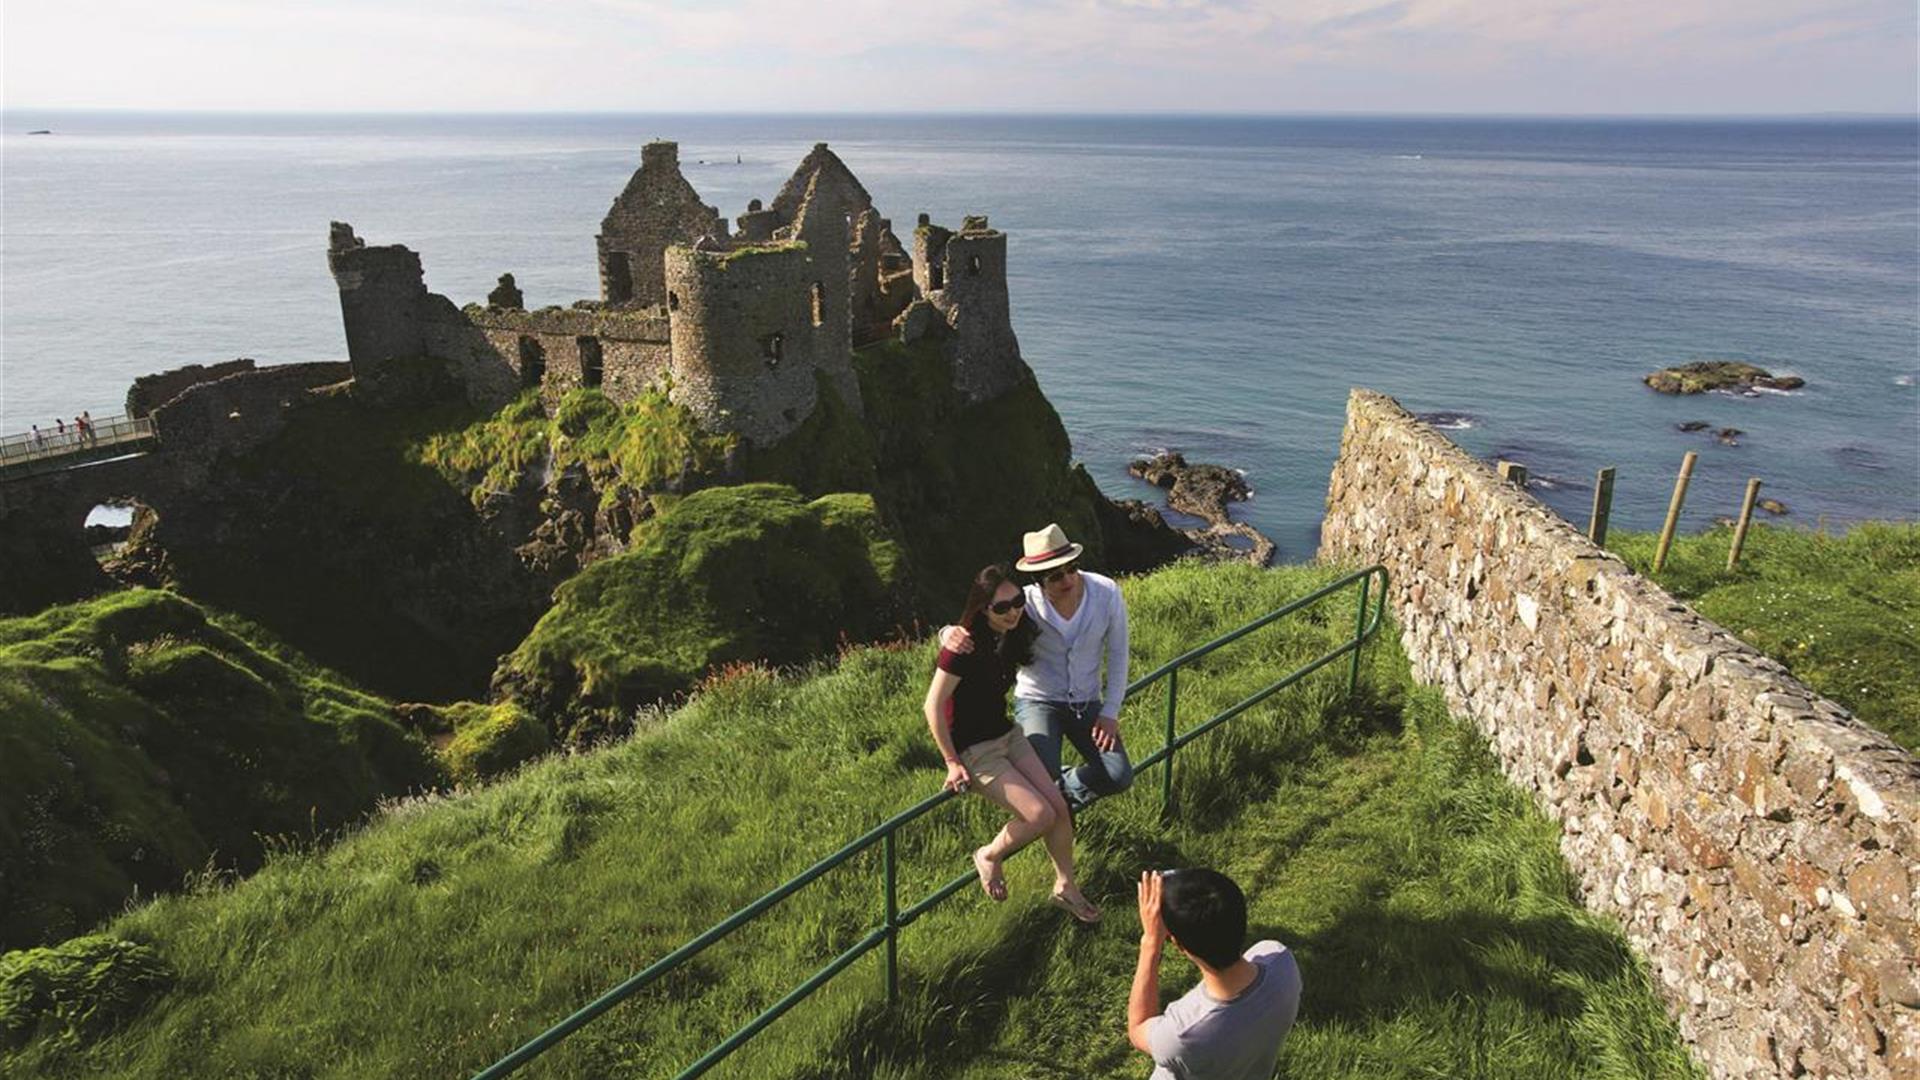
(1033, 815)
(1059, 836)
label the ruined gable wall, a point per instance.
(1759, 844)
(657, 210)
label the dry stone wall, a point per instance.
(1759, 844)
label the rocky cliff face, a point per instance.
(330, 535)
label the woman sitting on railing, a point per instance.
(966, 708)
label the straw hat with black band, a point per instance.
(1047, 549)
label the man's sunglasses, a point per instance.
(1001, 607)
(1057, 573)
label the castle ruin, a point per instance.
(741, 327)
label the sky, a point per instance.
(1283, 56)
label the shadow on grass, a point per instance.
(1373, 965)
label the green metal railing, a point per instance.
(1366, 624)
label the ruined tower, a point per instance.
(754, 329)
(658, 209)
(381, 289)
(964, 275)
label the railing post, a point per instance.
(1602, 507)
(1359, 632)
(1166, 778)
(893, 921)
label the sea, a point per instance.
(1213, 285)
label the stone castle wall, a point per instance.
(621, 351)
(1759, 845)
(746, 343)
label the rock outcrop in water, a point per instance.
(1204, 492)
(1704, 375)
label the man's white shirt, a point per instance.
(1067, 653)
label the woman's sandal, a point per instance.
(1079, 907)
(992, 878)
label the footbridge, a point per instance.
(35, 452)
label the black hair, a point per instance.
(1206, 913)
(1016, 645)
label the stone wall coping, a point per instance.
(1883, 776)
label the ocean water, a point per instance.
(1212, 285)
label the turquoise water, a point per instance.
(1211, 285)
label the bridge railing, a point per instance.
(46, 444)
(1366, 624)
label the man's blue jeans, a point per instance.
(1047, 722)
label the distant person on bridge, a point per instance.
(39, 438)
(86, 426)
(1082, 619)
(966, 709)
(1231, 1024)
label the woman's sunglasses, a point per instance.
(1001, 607)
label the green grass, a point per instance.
(146, 737)
(1436, 927)
(727, 574)
(645, 443)
(1843, 612)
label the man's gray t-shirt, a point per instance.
(1200, 1038)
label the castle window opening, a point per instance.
(973, 265)
(773, 348)
(619, 277)
(673, 301)
(591, 361)
(533, 363)
(936, 278)
(819, 296)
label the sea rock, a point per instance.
(1772, 506)
(1730, 435)
(1703, 375)
(1204, 491)
(1201, 490)
(1691, 426)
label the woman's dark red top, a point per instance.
(980, 701)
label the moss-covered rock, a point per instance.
(490, 739)
(751, 571)
(142, 736)
(78, 989)
(963, 482)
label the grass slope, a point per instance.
(1436, 928)
(143, 737)
(1843, 612)
(728, 574)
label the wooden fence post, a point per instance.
(1746, 518)
(1673, 510)
(1602, 507)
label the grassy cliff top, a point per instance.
(1841, 611)
(147, 737)
(1434, 922)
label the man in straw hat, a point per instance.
(1082, 620)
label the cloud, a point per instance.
(1418, 55)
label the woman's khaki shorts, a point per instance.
(990, 760)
